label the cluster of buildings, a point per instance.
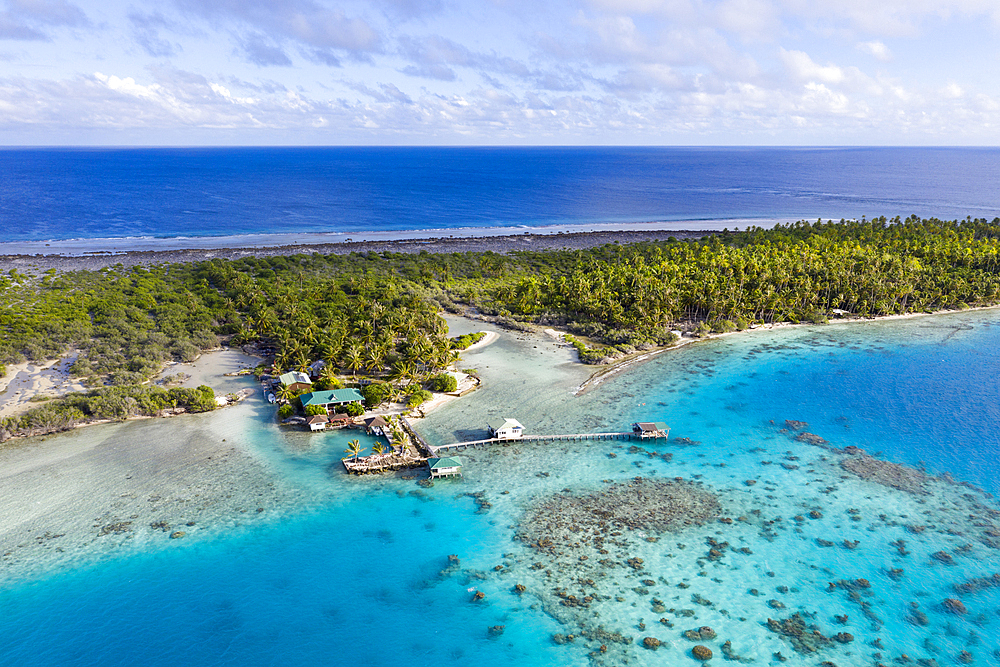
(445, 466)
(328, 399)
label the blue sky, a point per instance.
(497, 72)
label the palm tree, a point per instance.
(353, 358)
(375, 357)
(329, 373)
(354, 447)
(379, 448)
(302, 360)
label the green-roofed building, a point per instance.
(295, 380)
(331, 398)
(447, 466)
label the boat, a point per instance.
(271, 397)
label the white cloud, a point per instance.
(877, 49)
(802, 67)
(751, 19)
(574, 71)
(953, 90)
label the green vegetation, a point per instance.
(354, 448)
(116, 403)
(463, 342)
(313, 410)
(123, 321)
(587, 355)
(443, 382)
(375, 315)
(418, 398)
(376, 393)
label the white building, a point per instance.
(317, 422)
(508, 429)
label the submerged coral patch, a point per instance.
(566, 520)
(885, 473)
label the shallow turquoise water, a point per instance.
(352, 574)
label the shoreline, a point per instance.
(123, 245)
(500, 243)
(638, 358)
(38, 383)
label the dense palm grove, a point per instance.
(377, 314)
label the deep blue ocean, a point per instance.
(177, 192)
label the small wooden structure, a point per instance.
(317, 422)
(506, 429)
(340, 420)
(377, 425)
(448, 466)
(650, 430)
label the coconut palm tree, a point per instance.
(354, 447)
(354, 358)
(286, 394)
(379, 448)
(329, 374)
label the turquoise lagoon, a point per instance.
(355, 571)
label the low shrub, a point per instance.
(443, 382)
(418, 398)
(586, 354)
(376, 394)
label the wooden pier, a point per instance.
(417, 439)
(458, 446)
(376, 463)
(417, 451)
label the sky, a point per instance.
(500, 72)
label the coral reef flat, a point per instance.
(824, 498)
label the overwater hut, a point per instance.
(331, 398)
(376, 425)
(340, 420)
(449, 466)
(650, 429)
(295, 381)
(505, 429)
(317, 422)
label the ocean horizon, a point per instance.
(155, 197)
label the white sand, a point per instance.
(490, 338)
(28, 380)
